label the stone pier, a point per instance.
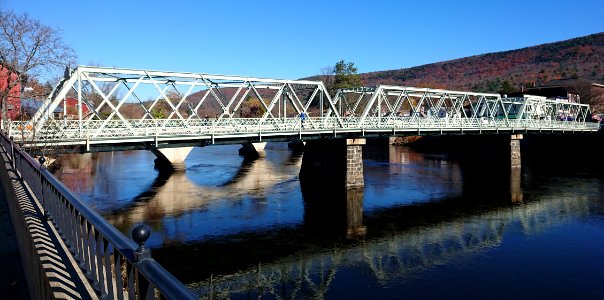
(332, 182)
(171, 158)
(339, 162)
(515, 160)
(354, 163)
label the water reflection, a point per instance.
(126, 189)
(516, 185)
(309, 274)
(174, 194)
(237, 228)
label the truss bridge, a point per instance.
(103, 109)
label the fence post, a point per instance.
(42, 160)
(12, 153)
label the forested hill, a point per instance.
(581, 57)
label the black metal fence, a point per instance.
(117, 267)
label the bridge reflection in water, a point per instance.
(173, 194)
(302, 259)
(124, 200)
(395, 255)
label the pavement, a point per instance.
(12, 277)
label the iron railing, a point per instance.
(66, 130)
(107, 257)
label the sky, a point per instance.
(295, 39)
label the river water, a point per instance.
(232, 228)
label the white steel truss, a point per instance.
(411, 107)
(117, 105)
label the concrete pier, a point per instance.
(252, 149)
(171, 158)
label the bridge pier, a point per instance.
(252, 149)
(339, 162)
(296, 145)
(171, 158)
(515, 161)
(331, 177)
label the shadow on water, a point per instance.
(330, 216)
(303, 259)
(399, 241)
(244, 170)
(252, 165)
(173, 194)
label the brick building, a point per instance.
(9, 78)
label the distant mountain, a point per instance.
(570, 62)
(578, 58)
(581, 57)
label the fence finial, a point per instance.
(140, 234)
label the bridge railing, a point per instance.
(105, 255)
(78, 130)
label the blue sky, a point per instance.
(294, 39)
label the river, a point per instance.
(233, 228)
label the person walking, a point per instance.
(302, 119)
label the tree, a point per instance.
(327, 78)
(36, 90)
(507, 87)
(252, 108)
(29, 49)
(346, 75)
(158, 113)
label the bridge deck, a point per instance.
(94, 135)
(49, 257)
(12, 284)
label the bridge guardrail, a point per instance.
(105, 255)
(79, 130)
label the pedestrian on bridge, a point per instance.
(302, 118)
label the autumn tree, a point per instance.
(346, 75)
(30, 50)
(252, 108)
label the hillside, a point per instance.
(578, 60)
(581, 57)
